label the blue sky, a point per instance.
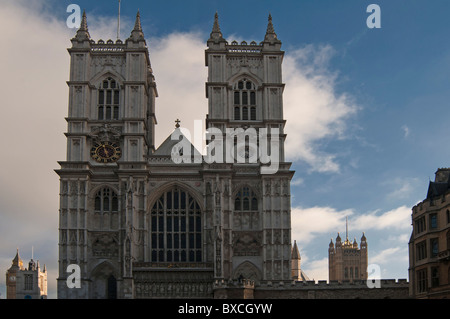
(366, 110)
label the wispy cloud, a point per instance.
(310, 223)
(315, 110)
(406, 131)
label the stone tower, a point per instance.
(347, 262)
(245, 100)
(141, 223)
(110, 132)
(11, 276)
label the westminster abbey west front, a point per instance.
(140, 225)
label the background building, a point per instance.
(346, 261)
(429, 245)
(26, 283)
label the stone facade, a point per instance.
(347, 261)
(140, 225)
(429, 245)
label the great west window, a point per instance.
(176, 228)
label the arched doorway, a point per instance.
(103, 282)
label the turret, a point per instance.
(82, 37)
(271, 41)
(331, 247)
(216, 37)
(296, 262)
(137, 35)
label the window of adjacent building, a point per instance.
(176, 228)
(433, 221)
(434, 246)
(244, 100)
(420, 225)
(421, 250)
(434, 276)
(108, 100)
(447, 214)
(28, 282)
(421, 280)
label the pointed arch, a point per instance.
(169, 185)
(247, 270)
(103, 281)
(246, 74)
(97, 79)
(246, 198)
(103, 208)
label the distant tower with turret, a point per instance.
(26, 283)
(347, 262)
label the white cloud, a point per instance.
(313, 108)
(178, 62)
(400, 188)
(406, 131)
(316, 269)
(389, 254)
(397, 218)
(308, 223)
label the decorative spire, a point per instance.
(270, 29)
(137, 23)
(363, 238)
(83, 25)
(137, 34)
(216, 27)
(295, 252)
(271, 36)
(177, 125)
(17, 260)
(346, 227)
(83, 32)
(216, 34)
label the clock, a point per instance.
(12, 278)
(106, 152)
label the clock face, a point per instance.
(12, 278)
(106, 152)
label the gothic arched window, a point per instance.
(106, 210)
(108, 100)
(106, 200)
(246, 200)
(244, 101)
(176, 228)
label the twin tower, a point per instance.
(139, 225)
